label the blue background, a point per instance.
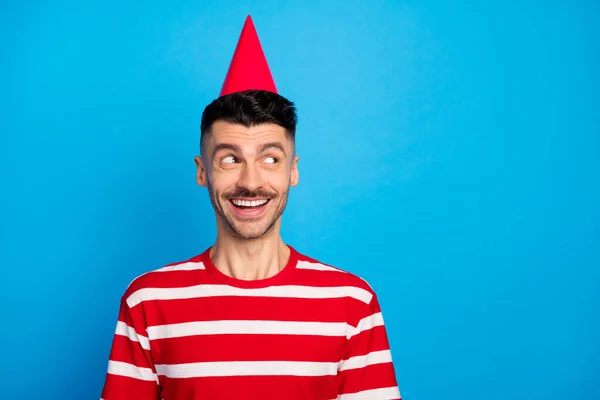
(449, 155)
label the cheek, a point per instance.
(223, 180)
(279, 180)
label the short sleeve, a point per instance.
(367, 372)
(131, 373)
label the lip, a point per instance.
(249, 213)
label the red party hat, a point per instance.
(248, 69)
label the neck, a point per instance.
(250, 259)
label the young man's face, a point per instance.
(248, 173)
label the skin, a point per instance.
(255, 163)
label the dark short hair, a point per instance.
(249, 108)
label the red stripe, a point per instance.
(124, 388)
(165, 312)
(170, 279)
(370, 377)
(362, 310)
(368, 341)
(125, 350)
(250, 387)
(250, 348)
(309, 277)
(130, 316)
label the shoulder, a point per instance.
(172, 275)
(362, 300)
(334, 276)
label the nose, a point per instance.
(250, 177)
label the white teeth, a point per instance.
(246, 203)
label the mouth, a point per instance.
(246, 208)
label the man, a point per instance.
(250, 318)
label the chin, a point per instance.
(250, 230)
(251, 233)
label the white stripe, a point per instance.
(365, 324)
(125, 330)
(305, 292)
(247, 327)
(317, 266)
(375, 357)
(389, 393)
(246, 368)
(187, 266)
(131, 371)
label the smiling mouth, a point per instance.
(248, 204)
(249, 208)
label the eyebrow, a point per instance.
(271, 145)
(226, 146)
(237, 149)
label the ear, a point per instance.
(200, 171)
(295, 178)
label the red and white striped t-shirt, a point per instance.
(188, 331)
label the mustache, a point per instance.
(248, 194)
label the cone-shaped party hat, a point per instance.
(249, 68)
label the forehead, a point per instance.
(226, 132)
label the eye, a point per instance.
(271, 160)
(229, 160)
